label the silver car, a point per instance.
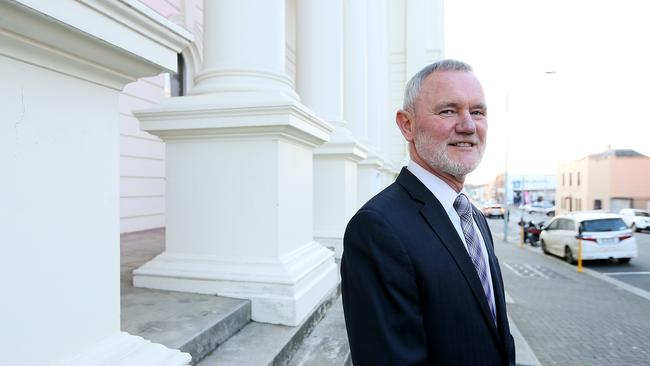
(604, 236)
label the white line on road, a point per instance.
(625, 273)
(512, 269)
(536, 271)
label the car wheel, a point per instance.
(624, 260)
(544, 250)
(568, 255)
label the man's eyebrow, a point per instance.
(445, 104)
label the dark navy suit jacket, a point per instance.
(411, 295)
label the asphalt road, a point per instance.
(635, 273)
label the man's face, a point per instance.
(450, 122)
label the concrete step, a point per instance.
(259, 344)
(193, 323)
(327, 345)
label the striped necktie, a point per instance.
(464, 209)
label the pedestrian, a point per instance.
(420, 280)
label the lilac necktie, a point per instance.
(464, 209)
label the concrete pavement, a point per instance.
(571, 318)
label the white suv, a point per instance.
(604, 236)
(636, 220)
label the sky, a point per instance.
(563, 78)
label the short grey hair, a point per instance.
(412, 90)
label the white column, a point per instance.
(320, 85)
(356, 92)
(240, 174)
(59, 152)
(397, 65)
(378, 97)
(416, 37)
(244, 48)
(355, 63)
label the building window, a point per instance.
(570, 179)
(598, 204)
(578, 179)
(563, 183)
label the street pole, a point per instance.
(505, 180)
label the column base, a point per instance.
(123, 349)
(334, 243)
(282, 291)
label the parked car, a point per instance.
(635, 219)
(604, 236)
(493, 210)
(541, 207)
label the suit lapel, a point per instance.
(444, 229)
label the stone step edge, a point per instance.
(212, 336)
(305, 328)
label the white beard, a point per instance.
(437, 158)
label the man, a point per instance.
(421, 283)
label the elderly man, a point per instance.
(421, 283)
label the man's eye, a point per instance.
(446, 112)
(478, 113)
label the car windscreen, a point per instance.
(603, 225)
(641, 213)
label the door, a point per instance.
(617, 204)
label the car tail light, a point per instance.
(623, 237)
(588, 238)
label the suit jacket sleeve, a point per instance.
(380, 296)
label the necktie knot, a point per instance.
(462, 205)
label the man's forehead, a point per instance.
(453, 83)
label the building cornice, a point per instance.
(107, 43)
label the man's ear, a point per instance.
(404, 121)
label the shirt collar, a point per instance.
(443, 191)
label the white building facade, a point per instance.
(284, 128)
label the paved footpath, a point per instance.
(571, 318)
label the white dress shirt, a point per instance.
(447, 195)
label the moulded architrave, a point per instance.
(63, 37)
(123, 349)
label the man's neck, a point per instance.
(456, 183)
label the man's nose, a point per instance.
(466, 123)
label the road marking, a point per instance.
(512, 269)
(543, 275)
(625, 273)
(509, 299)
